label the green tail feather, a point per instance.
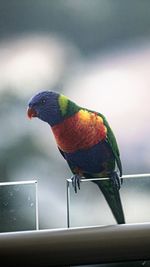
(112, 197)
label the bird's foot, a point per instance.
(76, 180)
(114, 177)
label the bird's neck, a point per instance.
(61, 112)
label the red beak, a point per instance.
(31, 113)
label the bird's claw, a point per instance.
(116, 180)
(76, 180)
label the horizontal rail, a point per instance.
(76, 246)
(128, 176)
(18, 182)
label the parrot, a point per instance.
(87, 143)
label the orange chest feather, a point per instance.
(80, 131)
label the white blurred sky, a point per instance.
(32, 63)
(115, 84)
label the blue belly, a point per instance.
(91, 160)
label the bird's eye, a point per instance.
(43, 101)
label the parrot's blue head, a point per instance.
(44, 106)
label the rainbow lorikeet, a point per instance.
(86, 141)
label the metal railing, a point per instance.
(76, 205)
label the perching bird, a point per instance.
(86, 141)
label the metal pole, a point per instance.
(36, 206)
(76, 246)
(68, 204)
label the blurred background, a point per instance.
(97, 52)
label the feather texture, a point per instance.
(81, 131)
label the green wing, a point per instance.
(111, 141)
(113, 144)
